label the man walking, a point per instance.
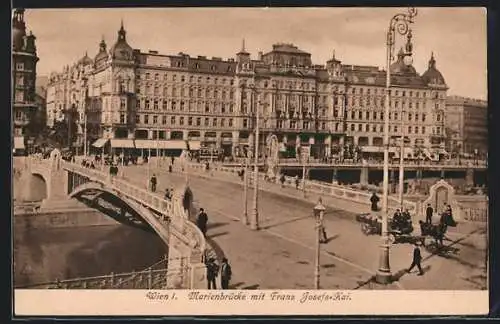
(428, 214)
(212, 272)
(202, 221)
(225, 274)
(153, 182)
(374, 200)
(417, 258)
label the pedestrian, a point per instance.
(374, 200)
(428, 214)
(417, 258)
(153, 182)
(202, 221)
(296, 182)
(172, 160)
(225, 274)
(167, 194)
(450, 221)
(212, 272)
(282, 180)
(324, 237)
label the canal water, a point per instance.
(46, 254)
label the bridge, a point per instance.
(280, 254)
(134, 206)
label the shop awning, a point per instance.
(100, 142)
(372, 149)
(19, 143)
(122, 143)
(162, 145)
(172, 145)
(144, 144)
(194, 145)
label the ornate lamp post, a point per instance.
(408, 60)
(254, 224)
(319, 213)
(245, 192)
(304, 161)
(399, 23)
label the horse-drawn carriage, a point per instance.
(400, 231)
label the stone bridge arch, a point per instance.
(30, 186)
(156, 223)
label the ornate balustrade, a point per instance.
(153, 277)
(294, 162)
(475, 214)
(332, 190)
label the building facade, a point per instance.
(467, 125)
(147, 97)
(24, 60)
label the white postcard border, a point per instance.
(239, 302)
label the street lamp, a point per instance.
(319, 213)
(255, 219)
(303, 174)
(85, 132)
(401, 161)
(245, 192)
(399, 23)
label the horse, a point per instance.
(435, 231)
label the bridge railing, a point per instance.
(475, 214)
(178, 222)
(371, 163)
(147, 279)
(333, 190)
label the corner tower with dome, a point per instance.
(24, 60)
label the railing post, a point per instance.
(150, 278)
(84, 284)
(112, 279)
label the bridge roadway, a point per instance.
(281, 254)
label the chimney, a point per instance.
(259, 57)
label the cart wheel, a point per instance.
(392, 238)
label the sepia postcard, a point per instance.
(250, 161)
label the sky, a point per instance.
(456, 36)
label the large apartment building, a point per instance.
(467, 126)
(24, 102)
(137, 99)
